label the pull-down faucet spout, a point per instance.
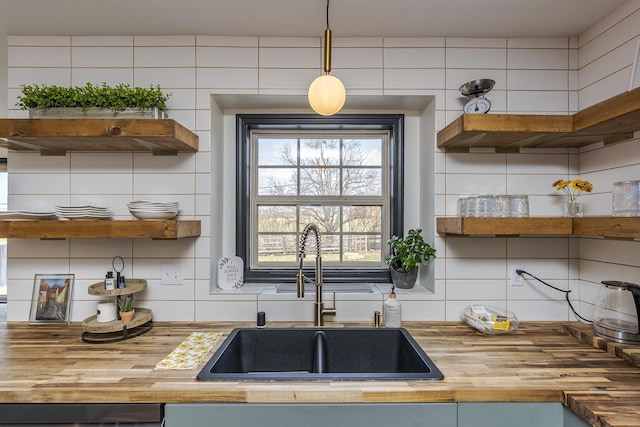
(319, 309)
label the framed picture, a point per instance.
(635, 70)
(51, 301)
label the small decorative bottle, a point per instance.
(109, 281)
(392, 311)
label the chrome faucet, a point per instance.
(318, 307)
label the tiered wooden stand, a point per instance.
(106, 332)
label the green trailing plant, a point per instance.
(408, 252)
(116, 98)
(126, 304)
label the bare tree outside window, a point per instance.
(334, 181)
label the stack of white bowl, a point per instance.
(148, 209)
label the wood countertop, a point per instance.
(539, 362)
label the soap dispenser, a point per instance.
(392, 311)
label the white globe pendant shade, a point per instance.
(327, 95)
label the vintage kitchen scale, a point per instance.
(475, 90)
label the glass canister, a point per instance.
(519, 206)
(625, 198)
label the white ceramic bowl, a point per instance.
(147, 215)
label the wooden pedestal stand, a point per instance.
(106, 332)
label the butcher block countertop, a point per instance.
(539, 362)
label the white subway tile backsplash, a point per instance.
(49, 57)
(460, 76)
(227, 78)
(476, 42)
(608, 40)
(540, 310)
(476, 58)
(541, 80)
(358, 42)
(101, 183)
(226, 56)
(34, 184)
(38, 40)
(102, 57)
(288, 57)
(39, 76)
(602, 89)
(619, 59)
(356, 58)
(280, 78)
(538, 43)
(476, 184)
(164, 40)
(148, 163)
(476, 290)
(532, 76)
(414, 57)
(296, 42)
(97, 76)
(538, 59)
(475, 268)
(475, 163)
(414, 42)
(537, 101)
(354, 79)
(166, 78)
(414, 78)
(487, 247)
(172, 56)
(226, 41)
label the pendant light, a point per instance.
(326, 93)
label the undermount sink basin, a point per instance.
(325, 354)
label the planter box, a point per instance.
(95, 113)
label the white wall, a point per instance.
(532, 76)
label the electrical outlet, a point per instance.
(171, 274)
(516, 279)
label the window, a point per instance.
(342, 173)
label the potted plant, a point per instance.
(92, 101)
(126, 309)
(406, 254)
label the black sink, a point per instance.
(302, 354)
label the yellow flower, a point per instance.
(573, 188)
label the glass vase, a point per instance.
(573, 209)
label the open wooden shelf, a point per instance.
(600, 226)
(57, 136)
(627, 227)
(612, 120)
(470, 226)
(100, 229)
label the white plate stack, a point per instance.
(148, 209)
(84, 212)
(24, 215)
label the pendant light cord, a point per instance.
(327, 14)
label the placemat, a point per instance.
(191, 351)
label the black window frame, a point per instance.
(246, 123)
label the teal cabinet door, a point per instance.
(519, 414)
(311, 415)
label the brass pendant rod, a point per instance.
(327, 45)
(327, 50)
